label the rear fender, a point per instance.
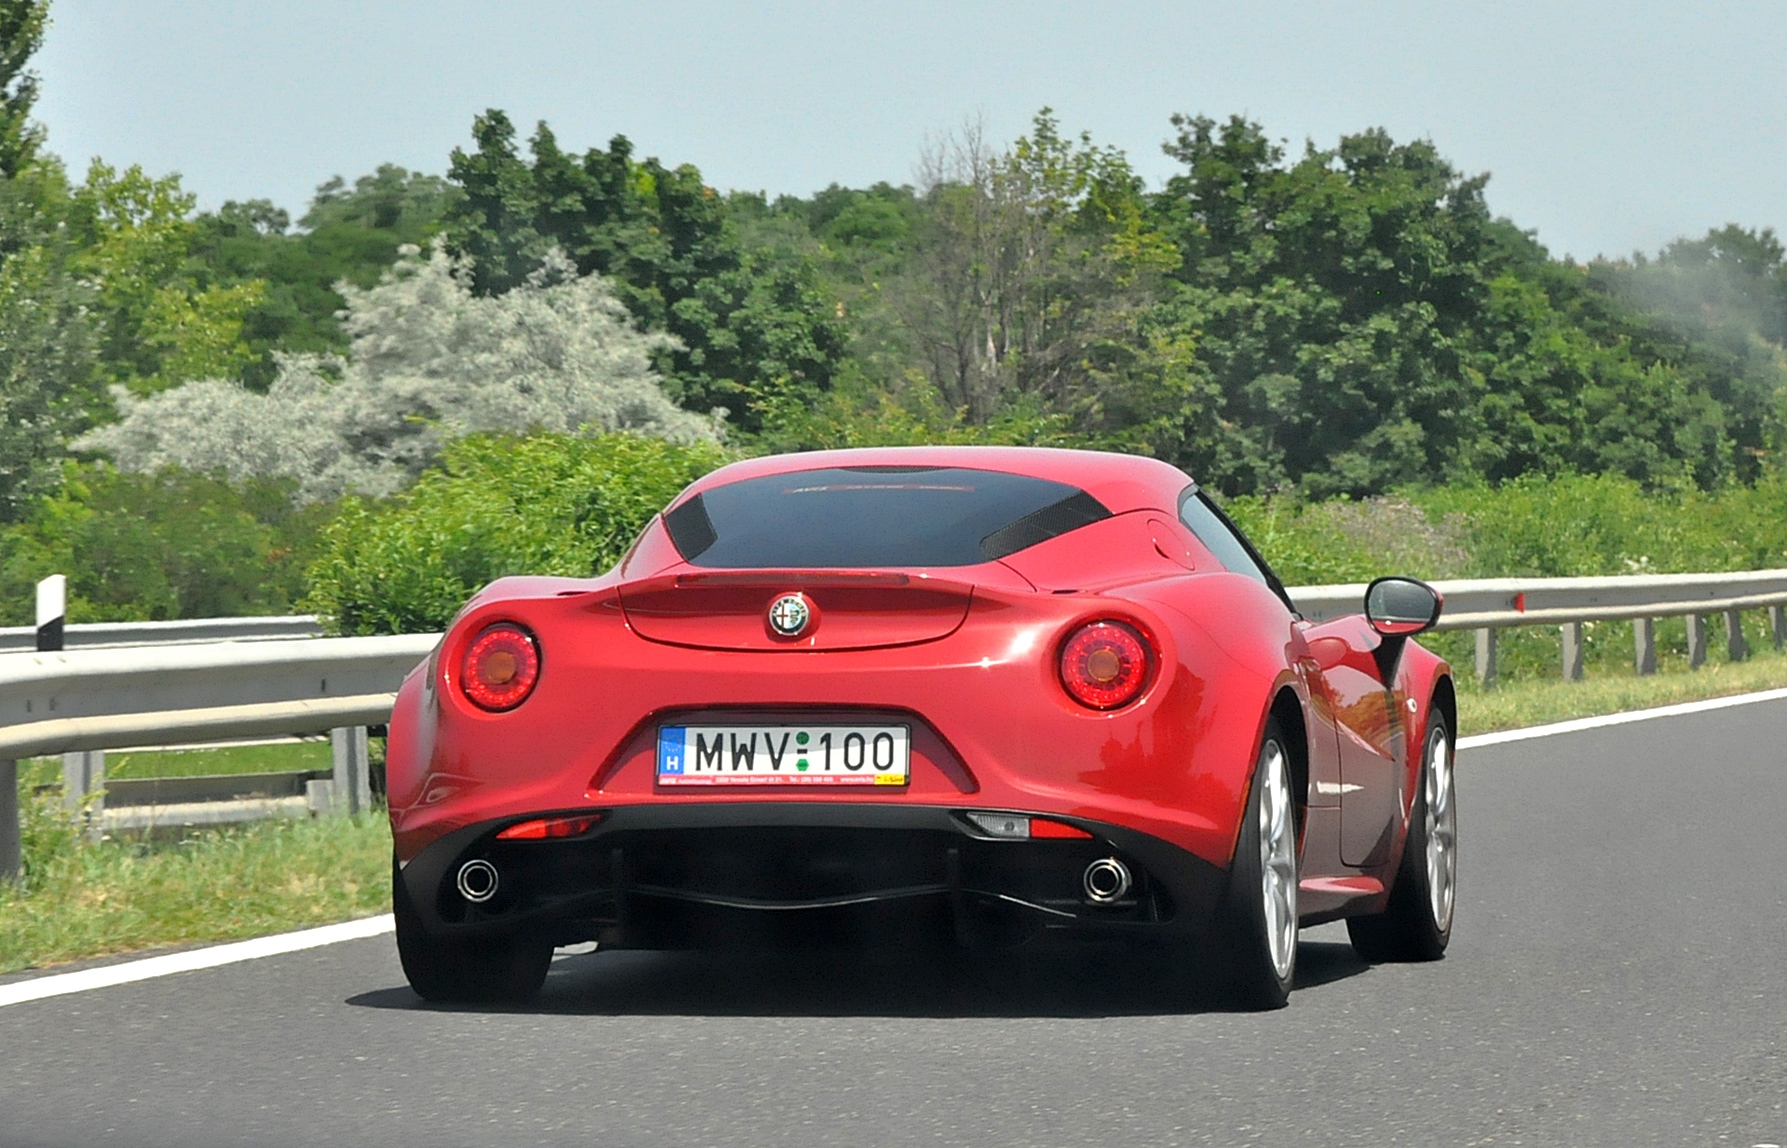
(1422, 679)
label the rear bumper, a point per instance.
(689, 874)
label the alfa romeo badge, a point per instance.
(789, 615)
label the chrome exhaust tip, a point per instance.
(1106, 880)
(477, 880)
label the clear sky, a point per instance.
(1606, 126)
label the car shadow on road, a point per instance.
(1083, 981)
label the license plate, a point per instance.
(783, 755)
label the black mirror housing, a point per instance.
(1399, 607)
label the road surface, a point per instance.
(1618, 976)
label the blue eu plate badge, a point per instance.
(671, 740)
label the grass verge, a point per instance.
(1537, 701)
(278, 757)
(86, 899)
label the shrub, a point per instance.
(499, 505)
(1350, 541)
(139, 547)
(430, 362)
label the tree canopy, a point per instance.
(750, 324)
(1339, 320)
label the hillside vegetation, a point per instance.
(427, 380)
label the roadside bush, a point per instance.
(1562, 527)
(499, 505)
(1575, 526)
(148, 547)
(1351, 541)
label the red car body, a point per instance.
(968, 658)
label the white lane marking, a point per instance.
(1579, 724)
(58, 984)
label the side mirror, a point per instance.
(1401, 607)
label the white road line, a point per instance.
(58, 984)
(1580, 724)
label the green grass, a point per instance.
(86, 899)
(1536, 700)
(282, 757)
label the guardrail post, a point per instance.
(1777, 621)
(1696, 641)
(1735, 647)
(1486, 656)
(83, 784)
(353, 770)
(1572, 651)
(1644, 641)
(10, 861)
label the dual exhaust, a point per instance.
(1105, 881)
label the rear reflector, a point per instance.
(1016, 827)
(545, 827)
(1043, 827)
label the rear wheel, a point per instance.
(1417, 923)
(1259, 917)
(489, 971)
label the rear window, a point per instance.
(876, 516)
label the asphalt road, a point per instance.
(1618, 976)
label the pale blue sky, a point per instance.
(1606, 126)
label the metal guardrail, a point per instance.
(81, 702)
(1491, 604)
(84, 635)
(1502, 602)
(180, 683)
(105, 698)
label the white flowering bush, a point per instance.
(429, 363)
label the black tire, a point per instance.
(1246, 921)
(1416, 925)
(503, 970)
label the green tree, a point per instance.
(752, 326)
(1368, 324)
(1027, 259)
(22, 25)
(158, 326)
(350, 233)
(46, 377)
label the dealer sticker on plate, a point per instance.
(783, 755)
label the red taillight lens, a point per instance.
(1105, 665)
(543, 828)
(500, 667)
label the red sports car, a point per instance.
(990, 692)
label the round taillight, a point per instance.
(1105, 664)
(500, 667)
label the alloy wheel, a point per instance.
(1442, 833)
(1278, 859)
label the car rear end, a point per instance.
(750, 749)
